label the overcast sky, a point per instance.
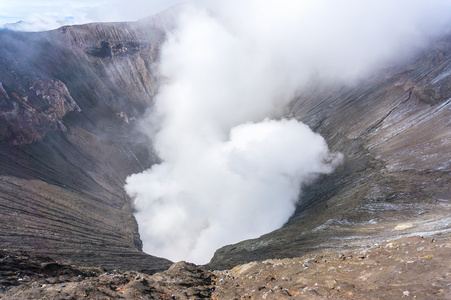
(49, 14)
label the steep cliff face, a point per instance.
(394, 132)
(69, 99)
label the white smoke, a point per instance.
(212, 192)
(228, 172)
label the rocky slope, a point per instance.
(69, 101)
(394, 132)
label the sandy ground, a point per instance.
(410, 268)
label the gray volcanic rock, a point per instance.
(394, 130)
(69, 99)
(68, 139)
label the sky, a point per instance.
(51, 14)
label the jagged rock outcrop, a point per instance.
(30, 277)
(26, 117)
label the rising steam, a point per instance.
(232, 167)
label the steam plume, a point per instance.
(232, 167)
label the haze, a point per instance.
(51, 14)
